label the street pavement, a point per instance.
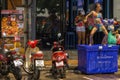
(73, 58)
(72, 74)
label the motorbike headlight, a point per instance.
(5, 50)
(8, 55)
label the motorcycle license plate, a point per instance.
(39, 63)
(18, 62)
(59, 64)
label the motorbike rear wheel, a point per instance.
(62, 72)
(36, 74)
(28, 70)
(4, 68)
(54, 70)
(58, 72)
(17, 73)
(54, 73)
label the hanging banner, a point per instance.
(12, 22)
(80, 3)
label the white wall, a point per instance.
(116, 9)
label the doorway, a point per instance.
(50, 21)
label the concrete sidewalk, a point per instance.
(72, 63)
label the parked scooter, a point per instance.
(34, 61)
(10, 63)
(59, 59)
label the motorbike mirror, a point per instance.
(39, 40)
(59, 35)
(48, 44)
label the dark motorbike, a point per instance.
(10, 62)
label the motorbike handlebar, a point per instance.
(39, 40)
(61, 40)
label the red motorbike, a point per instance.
(59, 61)
(34, 61)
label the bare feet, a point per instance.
(90, 44)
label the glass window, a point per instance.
(48, 20)
(80, 3)
(100, 1)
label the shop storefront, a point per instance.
(73, 6)
(57, 16)
(50, 20)
(63, 13)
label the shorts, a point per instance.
(81, 29)
(98, 25)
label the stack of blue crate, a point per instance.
(97, 59)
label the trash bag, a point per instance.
(111, 38)
(90, 27)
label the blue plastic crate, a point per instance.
(98, 59)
